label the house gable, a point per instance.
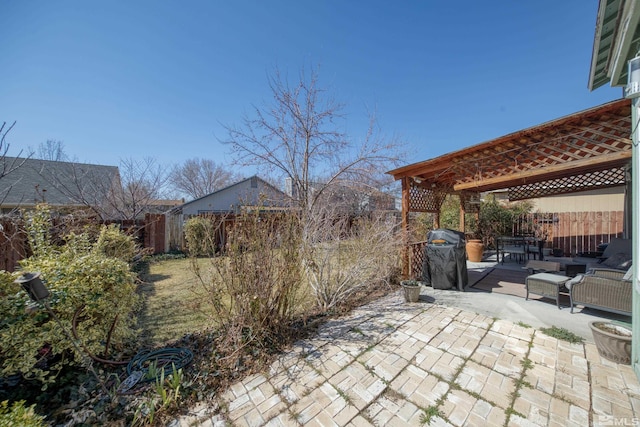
(249, 192)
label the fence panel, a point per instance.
(13, 245)
(574, 232)
(174, 232)
(154, 232)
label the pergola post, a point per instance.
(406, 199)
(461, 227)
(469, 203)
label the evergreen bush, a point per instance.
(200, 235)
(98, 291)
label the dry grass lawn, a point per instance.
(174, 303)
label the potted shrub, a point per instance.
(612, 341)
(411, 290)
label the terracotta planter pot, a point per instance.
(611, 345)
(475, 249)
(411, 292)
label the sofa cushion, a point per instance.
(620, 261)
(617, 245)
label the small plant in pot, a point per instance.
(411, 290)
(612, 341)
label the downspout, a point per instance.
(635, 227)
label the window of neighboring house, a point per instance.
(254, 182)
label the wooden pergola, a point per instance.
(587, 150)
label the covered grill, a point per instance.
(445, 260)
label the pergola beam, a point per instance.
(547, 172)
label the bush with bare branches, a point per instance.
(254, 287)
(341, 257)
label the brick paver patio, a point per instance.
(392, 363)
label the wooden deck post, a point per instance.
(461, 227)
(406, 199)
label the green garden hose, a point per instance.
(166, 359)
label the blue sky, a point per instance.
(116, 79)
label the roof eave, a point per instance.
(623, 46)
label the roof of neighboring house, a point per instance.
(238, 184)
(56, 183)
(165, 202)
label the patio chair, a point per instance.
(514, 247)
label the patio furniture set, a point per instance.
(604, 285)
(518, 248)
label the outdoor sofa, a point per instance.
(616, 256)
(602, 288)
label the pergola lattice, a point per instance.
(580, 144)
(587, 150)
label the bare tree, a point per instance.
(52, 150)
(142, 182)
(199, 177)
(6, 165)
(111, 193)
(298, 138)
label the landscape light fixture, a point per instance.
(33, 285)
(632, 90)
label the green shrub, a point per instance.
(114, 243)
(200, 235)
(38, 226)
(98, 290)
(19, 415)
(497, 219)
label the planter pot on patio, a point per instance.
(411, 290)
(612, 341)
(475, 248)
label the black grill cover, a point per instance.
(445, 260)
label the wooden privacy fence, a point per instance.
(573, 232)
(154, 232)
(13, 244)
(149, 233)
(175, 238)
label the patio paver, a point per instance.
(395, 364)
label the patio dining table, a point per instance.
(520, 247)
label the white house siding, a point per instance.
(607, 199)
(250, 192)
